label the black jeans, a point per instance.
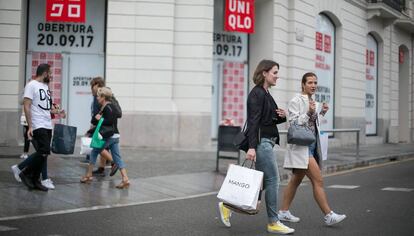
(41, 140)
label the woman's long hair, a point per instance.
(264, 65)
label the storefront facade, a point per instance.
(178, 71)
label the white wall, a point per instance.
(10, 58)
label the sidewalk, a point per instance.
(155, 175)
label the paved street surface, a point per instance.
(377, 200)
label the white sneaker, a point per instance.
(24, 156)
(16, 173)
(48, 183)
(332, 218)
(287, 216)
(225, 214)
(279, 228)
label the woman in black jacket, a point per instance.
(263, 115)
(110, 133)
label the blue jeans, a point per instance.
(113, 145)
(266, 162)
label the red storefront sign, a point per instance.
(319, 41)
(371, 58)
(66, 10)
(239, 16)
(327, 43)
(401, 57)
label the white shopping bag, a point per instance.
(85, 146)
(323, 137)
(241, 187)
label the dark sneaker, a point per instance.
(99, 172)
(26, 181)
(38, 185)
(114, 169)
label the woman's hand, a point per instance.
(325, 108)
(98, 116)
(251, 154)
(281, 113)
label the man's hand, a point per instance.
(30, 133)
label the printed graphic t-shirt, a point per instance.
(41, 104)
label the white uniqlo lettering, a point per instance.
(57, 9)
(74, 11)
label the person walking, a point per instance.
(37, 104)
(111, 137)
(263, 115)
(45, 180)
(306, 160)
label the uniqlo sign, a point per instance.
(66, 10)
(239, 16)
(319, 41)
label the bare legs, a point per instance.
(314, 174)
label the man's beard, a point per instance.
(46, 79)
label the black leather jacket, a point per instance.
(261, 114)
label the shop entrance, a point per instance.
(69, 36)
(404, 90)
(230, 73)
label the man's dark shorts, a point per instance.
(41, 140)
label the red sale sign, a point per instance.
(319, 41)
(327, 43)
(239, 16)
(66, 10)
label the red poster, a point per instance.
(66, 10)
(55, 85)
(327, 43)
(233, 92)
(401, 57)
(319, 40)
(371, 58)
(239, 16)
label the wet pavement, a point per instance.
(155, 175)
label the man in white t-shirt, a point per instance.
(37, 105)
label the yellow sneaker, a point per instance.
(279, 228)
(225, 214)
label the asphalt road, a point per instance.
(370, 210)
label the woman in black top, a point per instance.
(263, 115)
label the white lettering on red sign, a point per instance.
(66, 10)
(239, 16)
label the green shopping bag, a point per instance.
(96, 141)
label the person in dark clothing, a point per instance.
(263, 116)
(111, 137)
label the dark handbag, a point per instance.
(241, 141)
(107, 131)
(300, 134)
(64, 139)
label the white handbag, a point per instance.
(241, 188)
(85, 146)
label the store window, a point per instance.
(230, 68)
(371, 78)
(68, 35)
(325, 66)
